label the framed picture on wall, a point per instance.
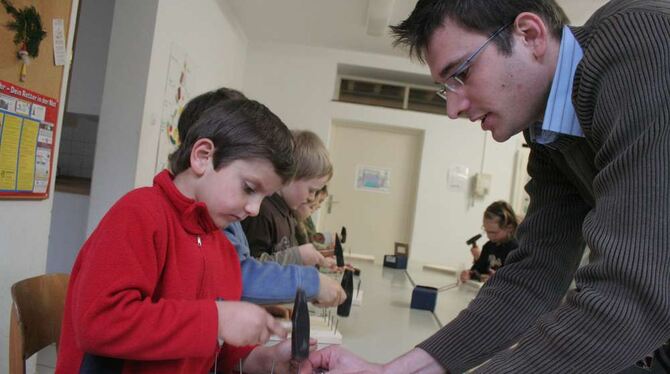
(520, 198)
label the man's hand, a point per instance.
(276, 358)
(336, 360)
(309, 255)
(242, 323)
(331, 292)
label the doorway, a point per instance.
(373, 190)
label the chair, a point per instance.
(37, 311)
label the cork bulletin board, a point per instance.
(36, 99)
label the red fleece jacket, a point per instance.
(144, 284)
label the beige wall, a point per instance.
(135, 85)
(24, 225)
(298, 83)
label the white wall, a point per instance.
(24, 229)
(68, 230)
(298, 83)
(122, 104)
(216, 49)
(90, 56)
(142, 35)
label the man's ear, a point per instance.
(202, 156)
(533, 33)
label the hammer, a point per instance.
(473, 240)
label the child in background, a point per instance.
(272, 234)
(306, 230)
(500, 224)
(263, 282)
(155, 288)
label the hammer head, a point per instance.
(300, 331)
(339, 253)
(473, 240)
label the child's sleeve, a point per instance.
(272, 283)
(260, 235)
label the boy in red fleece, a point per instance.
(156, 287)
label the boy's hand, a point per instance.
(328, 263)
(465, 276)
(309, 255)
(242, 323)
(475, 251)
(331, 292)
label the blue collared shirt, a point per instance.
(560, 116)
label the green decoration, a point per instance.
(27, 25)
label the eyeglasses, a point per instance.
(456, 80)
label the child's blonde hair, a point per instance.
(503, 212)
(310, 156)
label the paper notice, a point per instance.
(60, 53)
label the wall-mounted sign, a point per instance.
(27, 136)
(372, 178)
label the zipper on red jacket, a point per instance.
(204, 266)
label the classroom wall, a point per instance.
(143, 34)
(298, 83)
(24, 224)
(90, 60)
(122, 106)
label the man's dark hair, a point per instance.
(240, 129)
(481, 16)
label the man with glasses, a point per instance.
(593, 103)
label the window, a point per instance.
(390, 94)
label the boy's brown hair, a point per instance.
(311, 156)
(239, 129)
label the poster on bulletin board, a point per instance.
(27, 134)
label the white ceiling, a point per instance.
(341, 24)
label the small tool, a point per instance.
(473, 240)
(344, 309)
(339, 254)
(300, 331)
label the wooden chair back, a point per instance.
(35, 321)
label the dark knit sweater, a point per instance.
(609, 190)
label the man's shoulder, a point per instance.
(620, 7)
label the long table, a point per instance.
(385, 326)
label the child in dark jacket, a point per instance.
(272, 234)
(500, 224)
(156, 287)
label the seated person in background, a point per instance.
(272, 283)
(306, 230)
(500, 224)
(263, 282)
(272, 234)
(156, 287)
